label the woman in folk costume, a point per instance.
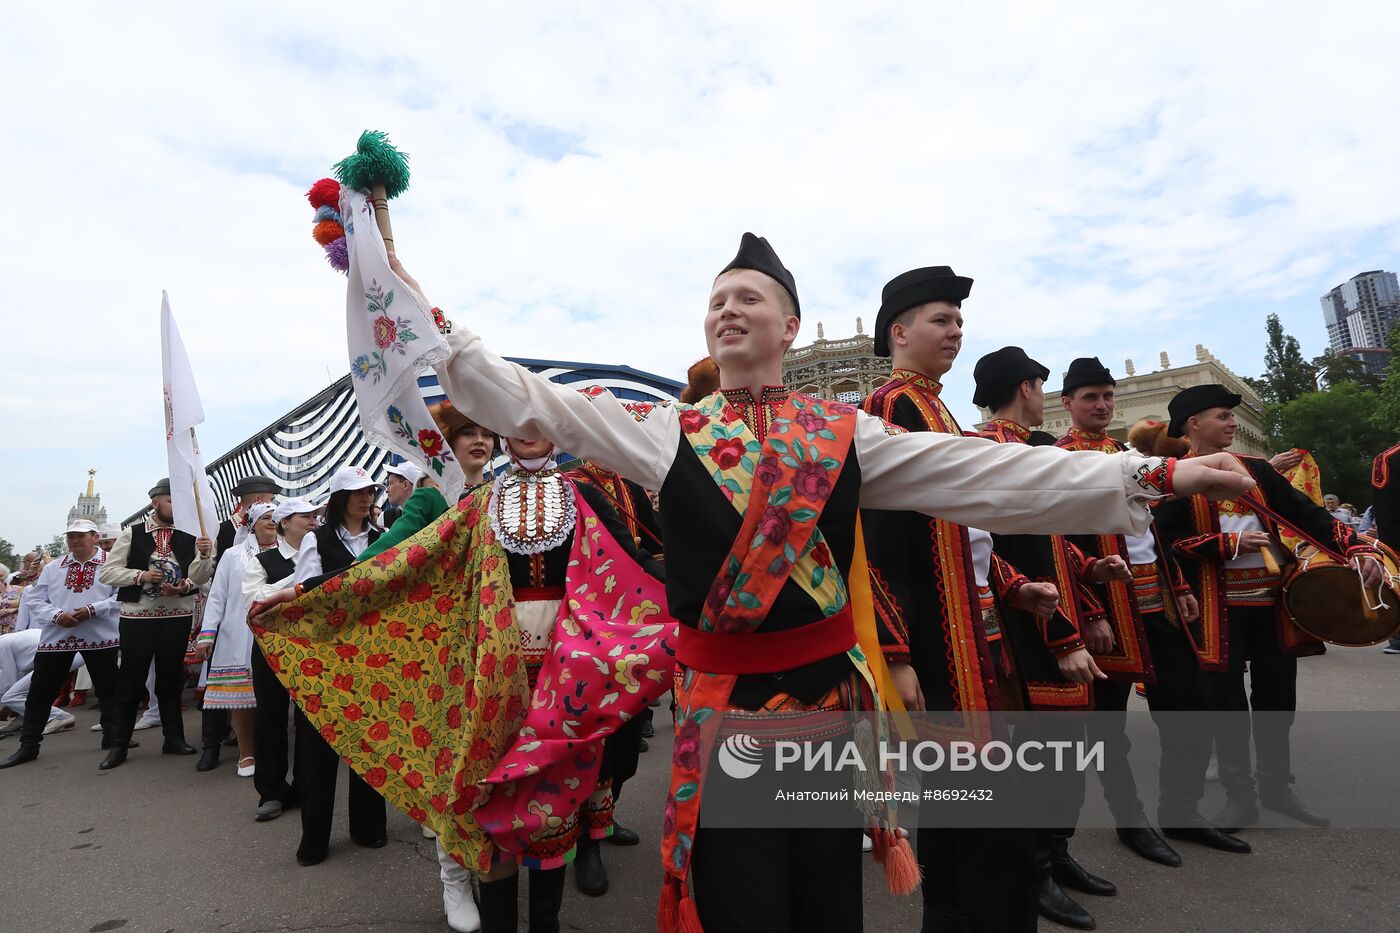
(227, 644)
(473, 673)
(265, 573)
(472, 444)
(328, 550)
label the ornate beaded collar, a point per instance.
(532, 512)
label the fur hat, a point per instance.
(702, 379)
(450, 421)
(1150, 437)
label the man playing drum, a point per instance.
(1231, 557)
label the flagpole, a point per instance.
(194, 482)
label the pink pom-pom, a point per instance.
(338, 255)
(325, 193)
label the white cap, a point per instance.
(289, 507)
(110, 530)
(408, 470)
(81, 526)
(351, 478)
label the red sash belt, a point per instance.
(531, 594)
(766, 652)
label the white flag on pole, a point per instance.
(191, 496)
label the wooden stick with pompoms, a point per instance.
(377, 167)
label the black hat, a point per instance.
(1000, 372)
(911, 289)
(755, 253)
(1195, 400)
(1086, 371)
(161, 488)
(251, 484)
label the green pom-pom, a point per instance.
(375, 161)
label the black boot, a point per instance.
(1068, 873)
(589, 874)
(1053, 903)
(1237, 813)
(1145, 842)
(622, 836)
(546, 897)
(500, 912)
(208, 759)
(22, 755)
(176, 745)
(116, 756)
(1283, 800)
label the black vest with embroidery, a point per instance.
(699, 526)
(143, 546)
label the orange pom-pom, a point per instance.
(327, 231)
(325, 193)
(902, 875)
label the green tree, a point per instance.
(1287, 373)
(1333, 368)
(8, 557)
(1386, 417)
(1338, 427)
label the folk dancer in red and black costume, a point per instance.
(948, 595)
(1385, 504)
(1143, 619)
(760, 631)
(1243, 620)
(78, 614)
(158, 570)
(1057, 670)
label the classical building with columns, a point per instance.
(844, 370)
(1146, 396)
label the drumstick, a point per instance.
(1270, 564)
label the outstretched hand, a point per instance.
(1215, 476)
(272, 602)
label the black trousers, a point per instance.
(1109, 725)
(317, 764)
(777, 880)
(620, 753)
(50, 670)
(270, 734)
(977, 880)
(1273, 692)
(1179, 692)
(145, 640)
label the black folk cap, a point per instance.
(913, 288)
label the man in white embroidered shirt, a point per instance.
(79, 616)
(157, 570)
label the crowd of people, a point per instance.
(1007, 570)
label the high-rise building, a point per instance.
(1359, 312)
(89, 505)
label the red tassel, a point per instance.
(325, 193)
(690, 916)
(902, 874)
(668, 911)
(880, 843)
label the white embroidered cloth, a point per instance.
(392, 338)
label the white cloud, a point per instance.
(1116, 181)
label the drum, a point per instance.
(1324, 598)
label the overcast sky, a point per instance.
(1117, 184)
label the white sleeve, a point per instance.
(115, 572)
(41, 611)
(256, 586)
(308, 559)
(23, 618)
(218, 602)
(514, 402)
(1002, 488)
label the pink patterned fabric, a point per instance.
(613, 652)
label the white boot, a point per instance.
(457, 903)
